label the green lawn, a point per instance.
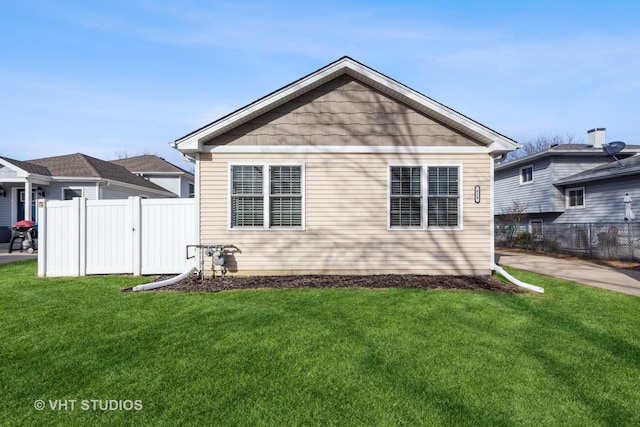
(315, 357)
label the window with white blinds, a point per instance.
(407, 204)
(247, 197)
(286, 196)
(406, 197)
(443, 197)
(278, 187)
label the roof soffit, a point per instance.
(194, 141)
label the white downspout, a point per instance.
(495, 266)
(517, 282)
(160, 284)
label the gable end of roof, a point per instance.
(496, 142)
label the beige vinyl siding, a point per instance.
(343, 112)
(346, 219)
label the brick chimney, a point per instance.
(596, 137)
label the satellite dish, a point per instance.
(612, 148)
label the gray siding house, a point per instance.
(62, 178)
(604, 190)
(569, 183)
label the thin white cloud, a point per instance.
(508, 79)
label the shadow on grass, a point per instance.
(581, 357)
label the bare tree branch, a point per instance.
(541, 143)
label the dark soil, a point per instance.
(210, 284)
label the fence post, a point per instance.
(633, 246)
(135, 203)
(81, 210)
(42, 238)
(629, 240)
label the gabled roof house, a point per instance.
(347, 171)
(160, 172)
(62, 178)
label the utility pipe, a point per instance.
(154, 285)
(517, 282)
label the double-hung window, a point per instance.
(285, 196)
(526, 174)
(267, 196)
(424, 197)
(247, 196)
(406, 197)
(443, 197)
(575, 197)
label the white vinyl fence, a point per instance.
(131, 236)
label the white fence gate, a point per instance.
(133, 236)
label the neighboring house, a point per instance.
(347, 171)
(569, 183)
(160, 172)
(598, 194)
(62, 178)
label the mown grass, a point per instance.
(315, 356)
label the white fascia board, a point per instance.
(32, 178)
(20, 173)
(76, 178)
(164, 174)
(342, 149)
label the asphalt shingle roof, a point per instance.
(630, 166)
(29, 167)
(82, 166)
(148, 163)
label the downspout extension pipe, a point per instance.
(517, 282)
(160, 284)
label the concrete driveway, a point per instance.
(16, 255)
(587, 273)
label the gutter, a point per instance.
(185, 156)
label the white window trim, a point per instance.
(71, 188)
(520, 175)
(266, 194)
(424, 178)
(584, 198)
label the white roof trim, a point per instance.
(343, 149)
(20, 173)
(497, 143)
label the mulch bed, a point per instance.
(385, 281)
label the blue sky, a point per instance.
(108, 77)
